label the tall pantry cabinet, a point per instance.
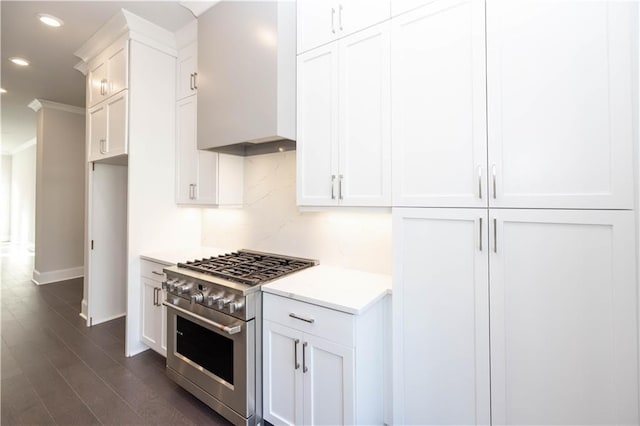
(130, 198)
(515, 282)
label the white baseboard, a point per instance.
(40, 278)
(83, 309)
(101, 320)
(139, 348)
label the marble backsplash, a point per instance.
(271, 221)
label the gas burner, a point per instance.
(248, 267)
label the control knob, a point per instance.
(212, 299)
(184, 288)
(166, 285)
(223, 302)
(197, 297)
(235, 306)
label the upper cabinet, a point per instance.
(320, 21)
(187, 71)
(246, 73)
(343, 122)
(560, 103)
(439, 106)
(107, 128)
(108, 73)
(550, 125)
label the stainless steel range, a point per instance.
(214, 328)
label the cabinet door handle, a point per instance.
(309, 320)
(157, 273)
(155, 296)
(333, 179)
(495, 235)
(304, 357)
(340, 17)
(480, 235)
(191, 81)
(103, 86)
(333, 15)
(493, 173)
(296, 364)
(103, 143)
(195, 191)
(340, 187)
(195, 81)
(480, 182)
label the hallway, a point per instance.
(55, 370)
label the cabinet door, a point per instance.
(187, 65)
(438, 106)
(186, 150)
(355, 15)
(206, 190)
(317, 126)
(365, 112)
(152, 315)
(560, 103)
(96, 82)
(282, 351)
(117, 128)
(329, 393)
(317, 23)
(97, 131)
(118, 76)
(441, 320)
(564, 328)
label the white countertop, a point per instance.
(342, 289)
(172, 257)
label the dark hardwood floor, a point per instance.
(55, 370)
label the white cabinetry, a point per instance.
(560, 95)
(187, 71)
(108, 73)
(562, 307)
(153, 312)
(320, 22)
(107, 128)
(343, 122)
(310, 358)
(557, 107)
(438, 106)
(203, 177)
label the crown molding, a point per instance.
(198, 7)
(38, 104)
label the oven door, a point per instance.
(215, 352)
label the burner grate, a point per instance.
(246, 267)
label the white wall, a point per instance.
(270, 221)
(23, 195)
(60, 169)
(5, 198)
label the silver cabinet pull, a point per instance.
(304, 357)
(495, 235)
(480, 235)
(191, 81)
(192, 191)
(340, 17)
(340, 187)
(195, 81)
(480, 182)
(155, 296)
(309, 320)
(103, 146)
(229, 329)
(157, 273)
(103, 86)
(333, 14)
(295, 354)
(493, 173)
(333, 179)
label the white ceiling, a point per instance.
(51, 75)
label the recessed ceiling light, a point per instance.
(3, 90)
(19, 61)
(50, 20)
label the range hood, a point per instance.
(247, 77)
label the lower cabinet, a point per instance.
(153, 312)
(310, 357)
(510, 316)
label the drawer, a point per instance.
(152, 270)
(332, 325)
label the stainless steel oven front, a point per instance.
(212, 355)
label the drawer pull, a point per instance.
(157, 273)
(309, 320)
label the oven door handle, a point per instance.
(228, 329)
